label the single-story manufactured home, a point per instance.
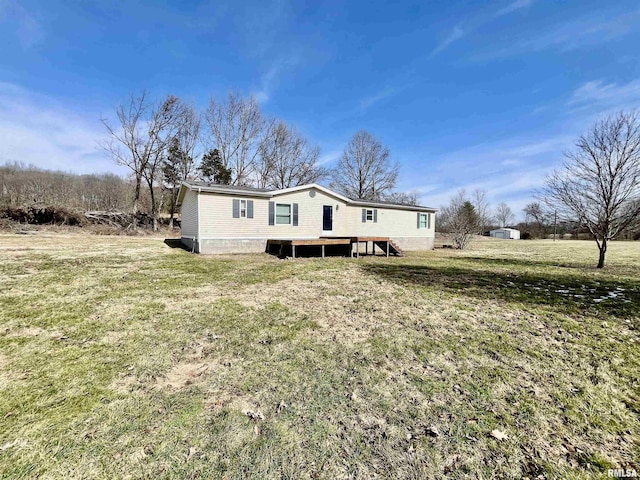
(510, 233)
(234, 219)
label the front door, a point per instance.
(327, 218)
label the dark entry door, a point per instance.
(327, 218)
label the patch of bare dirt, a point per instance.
(123, 384)
(218, 400)
(7, 375)
(27, 332)
(183, 375)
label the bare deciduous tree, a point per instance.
(235, 129)
(536, 217)
(482, 208)
(402, 198)
(287, 159)
(503, 215)
(179, 163)
(167, 117)
(365, 169)
(599, 183)
(134, 139)
(460, 219)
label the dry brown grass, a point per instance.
(124, 358)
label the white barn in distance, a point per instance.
(509, 233)
(232, 219)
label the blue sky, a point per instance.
(466, 94)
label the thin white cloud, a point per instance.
(329, 157)
(603, 94)
(373, 99)
(35, 130)
(509, 170)
(28, 29)
(277, 68)
(567, 36)
(456, 34)
(513, 6)
(267, 80)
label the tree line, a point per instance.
(164, 143)
(22, 184)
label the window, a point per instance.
(369, 215)
(424, 220)
(242, 208)
(283, 214)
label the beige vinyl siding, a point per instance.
(216, 216)
(189, 214)
(217, 222)
(391, 223)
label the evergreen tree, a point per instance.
(212, 170)
(172, 165)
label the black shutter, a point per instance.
(375, 215)
(236, 208)
(364, 215)
(249, 208)
(418, 219)
(272, 213)
(295, 214)
(428, 220)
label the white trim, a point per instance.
(308, 187)
(270, 237)
(196, 239)
(391, 206)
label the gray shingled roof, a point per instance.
(228, 187)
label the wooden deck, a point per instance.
(385, 244)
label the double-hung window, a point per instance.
(424, 221)
(369, 215)
(283, 214)
(242, 208)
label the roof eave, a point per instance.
(227, 191)
(393, 206)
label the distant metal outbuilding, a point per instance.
(508, 233)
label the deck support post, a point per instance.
(387, 248)
(322, 250)
(357, 248)
(366, 247)
(293, 251)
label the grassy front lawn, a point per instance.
(123, 358)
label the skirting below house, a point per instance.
(258, 245)
(414, 244)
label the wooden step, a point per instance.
(394, 249)
(397, 248)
